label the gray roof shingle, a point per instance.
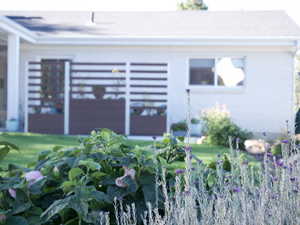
(158, 24)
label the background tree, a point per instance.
(192, 5)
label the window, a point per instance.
(202, 71)
(223, 72)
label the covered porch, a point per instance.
(12, 35)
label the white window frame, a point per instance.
(215, 87)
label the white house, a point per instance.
(71, 72)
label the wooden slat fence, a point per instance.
(148, 98)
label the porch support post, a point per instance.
(127, 100)
(13, 63)
(67, 98)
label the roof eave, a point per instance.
(14, 28)
(174, 41)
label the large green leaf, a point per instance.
(5, 148)
(75, 172)
(131, 184)
(10, 145)
(36, 188)
(3, 152)
(116, 192)
(11, 182)
(148, 184)
(90, 164)
(55, 208)
(20, 207)
(16, 220)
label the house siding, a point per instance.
(263, 105)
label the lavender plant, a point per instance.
(229, 191)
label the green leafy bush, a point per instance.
(71, 186)
(180, 126)
(218, 127)
(276, 149)
(171, 149)
(5, 148)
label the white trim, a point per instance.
(127, 99)
(173, 41)
(14, 28)
(26, 97)
(168, 100)
(215, 88)
(13, 76)
(67, 97)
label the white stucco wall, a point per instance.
(263, 105)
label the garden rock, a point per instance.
(257, 146)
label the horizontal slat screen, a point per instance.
(148, 98)
(46, 81)
(99, 90)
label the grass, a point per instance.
(31, 144)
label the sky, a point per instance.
(290, 6)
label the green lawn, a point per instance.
(30, 144)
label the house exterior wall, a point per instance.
(263, 105)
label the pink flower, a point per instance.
(33, 176)
(12, 193)
(127, 172)
(120, 182)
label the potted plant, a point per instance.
(179, 128)
(195, 127)
(59, 108)
(98, 91)
(12, 125)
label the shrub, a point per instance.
(171, 149)
(195, 121)
(71, 186)
(276, 149)
(218, 127)
(180, 126)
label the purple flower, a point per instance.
(279, 163)
(295, 191)
(179, 171)
(286, 141)
(293, 179)
(188, 149)
(269, 154)
(33, 176)
(275, 196)
(236, 190)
